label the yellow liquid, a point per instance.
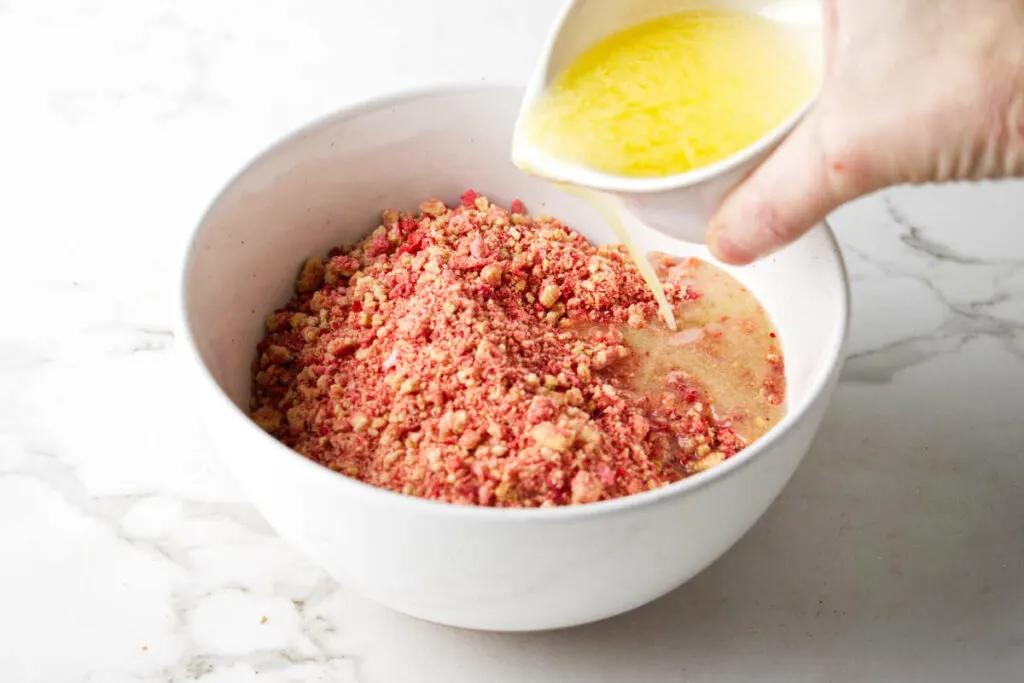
(610, 211)
(724, 341)
(673, 94)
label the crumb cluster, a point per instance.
(474, 355)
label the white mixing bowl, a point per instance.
(482, 568)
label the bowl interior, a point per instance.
(327, 185)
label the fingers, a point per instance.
(793, 190)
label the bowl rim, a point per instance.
(415, 505)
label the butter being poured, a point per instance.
(673, 94)
(610, 211)
(665, 97)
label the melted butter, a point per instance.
(611, 211)
(668, 96)
(673, 94)
(725, 342)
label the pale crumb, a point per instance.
(409, 386)
(549, 295)
(548, 435)
(278, 354)
(311, 277)
(433, 207)
(708, 461)
(267, 418)
(359, 422)
(586, 488)
(590, 436)
(470, 439)
(491, 274)
(296, 417)
(318, 302)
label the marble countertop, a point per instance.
(127, 555)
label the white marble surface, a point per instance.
(897, 553)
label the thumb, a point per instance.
(787, 195)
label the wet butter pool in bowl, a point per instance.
(496, 569)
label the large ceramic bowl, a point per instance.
(480, 568)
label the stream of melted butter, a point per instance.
(610, 210)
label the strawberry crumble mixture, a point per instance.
(482, 356)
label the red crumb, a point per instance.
(469, 198)
(474, 355)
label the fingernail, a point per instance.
(725, 248)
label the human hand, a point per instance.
(914, 91)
